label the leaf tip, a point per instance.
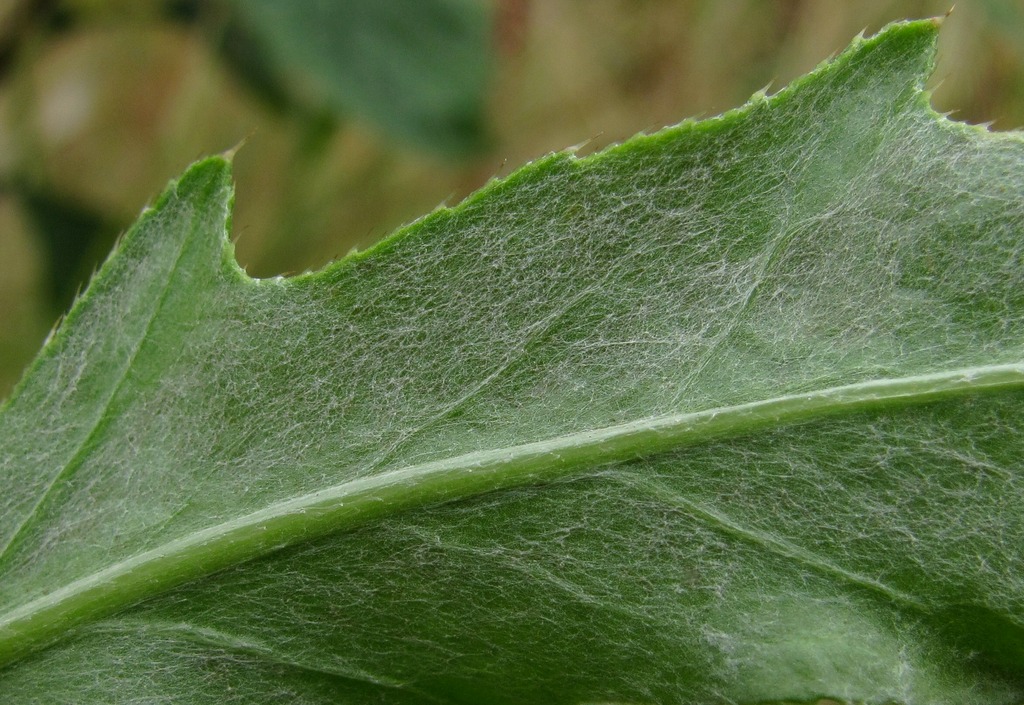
(761, 94)
(229, 154)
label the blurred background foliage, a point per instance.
(361, 115)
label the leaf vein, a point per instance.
(357, 502)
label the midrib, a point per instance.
(41, 621)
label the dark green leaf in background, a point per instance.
(417, 69)
(726, 414)
(74, 236)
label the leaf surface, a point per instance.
(729, 413)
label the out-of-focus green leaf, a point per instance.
(418, 69)
(731, 413)
(74, 237)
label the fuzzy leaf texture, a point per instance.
(730, 413)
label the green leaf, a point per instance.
(416, 68)
(729, 413)
(74, 237)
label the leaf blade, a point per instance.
(96, 375)
(743, 263)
